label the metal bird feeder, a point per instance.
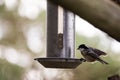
(60, 39)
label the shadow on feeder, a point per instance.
(60, 44)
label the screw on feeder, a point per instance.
(60, 43)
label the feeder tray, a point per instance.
(60, 62)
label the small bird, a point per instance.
(91, 54)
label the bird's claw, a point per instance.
(82, 59)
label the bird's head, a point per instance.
(82, 46)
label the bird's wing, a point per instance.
(96, 56)
(99, 52)
(93, 54)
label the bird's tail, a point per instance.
(102, 61)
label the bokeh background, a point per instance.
(23, 38)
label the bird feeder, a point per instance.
(60, 39)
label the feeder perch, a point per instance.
(60, 39)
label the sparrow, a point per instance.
(91, 54)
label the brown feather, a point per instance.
(99, 52)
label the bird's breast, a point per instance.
(87, 57)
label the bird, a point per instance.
(91, 54)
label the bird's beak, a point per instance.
(78, 48)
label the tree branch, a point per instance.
(103, 14)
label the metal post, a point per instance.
(52, 29)
(52, 33)
(69, 34)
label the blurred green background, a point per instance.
(23, 38)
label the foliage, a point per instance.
(10, 71)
